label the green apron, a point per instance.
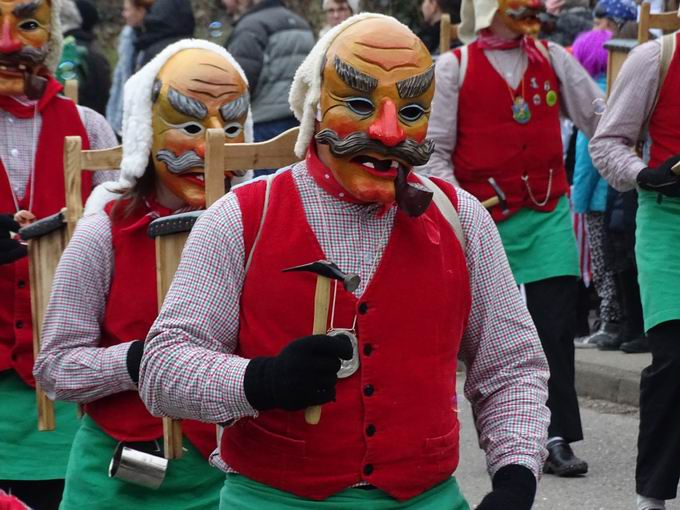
(26, 453)
(657, 236)
(540, 245)
(190, 482)
(241, 493)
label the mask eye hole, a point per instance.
(191, 128)
(29, 25)
(360, 105)
(233, 129)
(411, 112)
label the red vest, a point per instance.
(59, 119)
(394, 422)
(664, 124)
(490, 143)
(131, 309)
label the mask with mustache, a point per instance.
(377, 86)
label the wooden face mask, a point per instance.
(521, 16)
(24, 36)
(378, 83)
(195, 90)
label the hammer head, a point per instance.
(328, 269)
(500, 194)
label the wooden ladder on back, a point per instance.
(447, 33)
(220, 157)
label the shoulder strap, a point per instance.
(665, 57)
(542, 47)
(446, 208)
(462, 65)
(265, 206)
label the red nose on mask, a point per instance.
(386, 128)
(7, 43)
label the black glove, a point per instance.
(661, 179)
(514, 488)
(10, 249)
(302, 375)
(134, 359)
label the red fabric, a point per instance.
(26, 111)
(664, 125)
(413, 326)
(131, 309)
(532, 149)
(59, 119)
(487, 40)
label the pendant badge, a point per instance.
(520, 110)
(348, 367)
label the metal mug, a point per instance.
(138, 467)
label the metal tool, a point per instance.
(499, 199)
(325, 271)
(138, 467)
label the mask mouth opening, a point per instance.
(376, 164)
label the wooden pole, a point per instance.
(444, 33)
(491, 202)
(71, 90)
(72, 176)
(214, 166)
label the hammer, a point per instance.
(325, 271)
(499, 199)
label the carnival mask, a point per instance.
(24, 36)
(195, 90)
(378, 83)
(521, 16)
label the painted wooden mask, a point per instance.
(24, 36)
(521, 16)
(378, 83)
(195, 90)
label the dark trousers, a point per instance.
(658, 463)
(39, 495)
(552, 305)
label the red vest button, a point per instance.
(21, 284)
(368, 349)
(19, 324)
(368, 390)
(368, 469)
(363, 308)
(370, 430)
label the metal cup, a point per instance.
(136, 467)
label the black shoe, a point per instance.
(637, 346)
(562, 461)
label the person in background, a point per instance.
(589, 196)
(166, 22)
(133, 14)
(432, 11)
(615, 15)
(270, 42)
(564, 20)
(90, 66)
(337, 11)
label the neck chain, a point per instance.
(520, 108)
(31, 177)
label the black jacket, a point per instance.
(166, 22)
(270, 42)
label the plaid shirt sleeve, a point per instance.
(70, 365)
(507, 372)
(189, 369)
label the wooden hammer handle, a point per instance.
(322, 299)
(491, 202)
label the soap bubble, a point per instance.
(599, 106)
(67, 71)
(215, 29)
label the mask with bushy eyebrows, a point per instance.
(378, 84)
(195, 90)
(24, 35)
(521, 16)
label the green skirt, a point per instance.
(190, 482)
(241, 493)
(540, 245)
(26, 453)
(656, 238)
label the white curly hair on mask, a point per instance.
(305, 91)
(137, 118)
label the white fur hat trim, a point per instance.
(137, 132)
(306, 89)
(475, 15)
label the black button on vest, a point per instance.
(19, 324)
(363, 308)
(21, 284)
(368, 390)
(368, 469)
(368, 349)
(370, 430)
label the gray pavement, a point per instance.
(609, 448)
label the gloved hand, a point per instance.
(10, 249)
(514, 488)
(302, 375)
(661, 179)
